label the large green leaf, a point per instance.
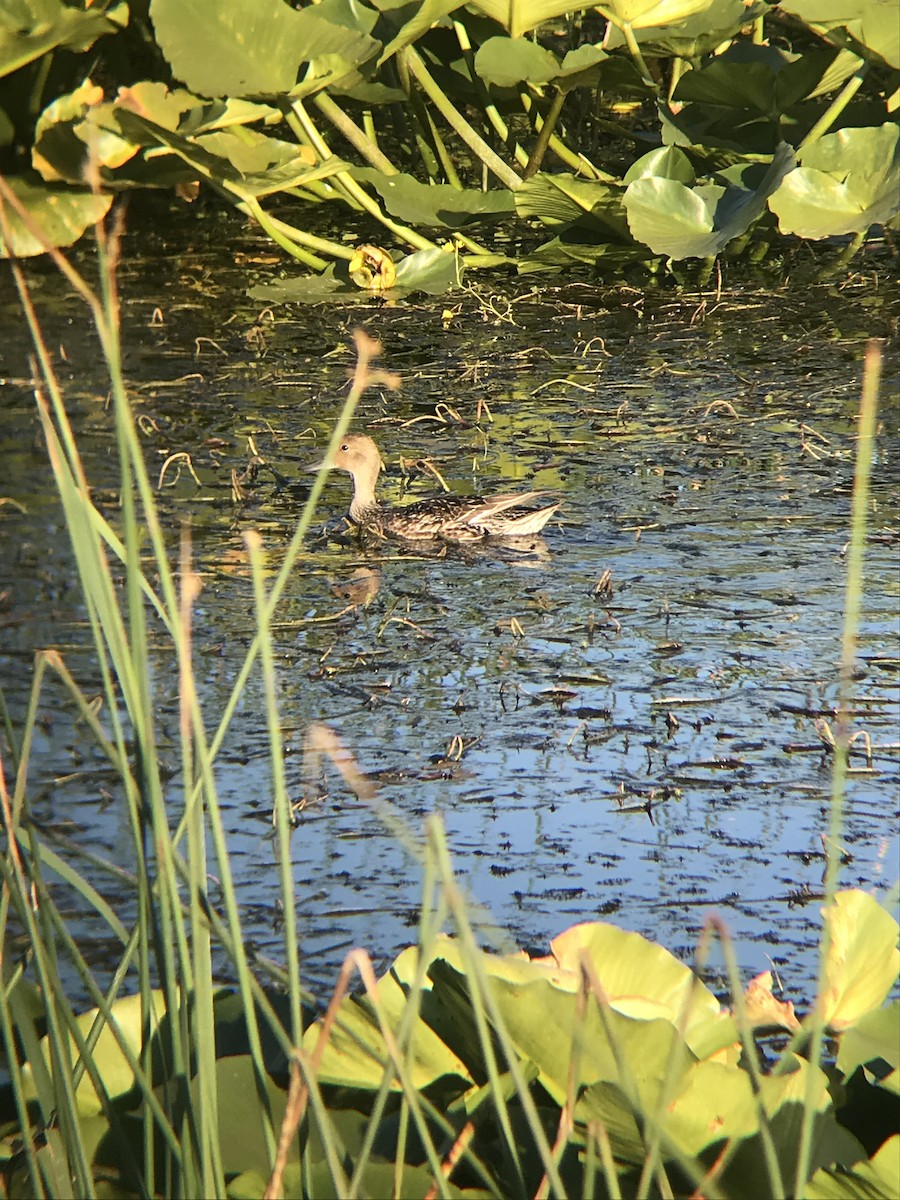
(32, 28)
(764, 79)
(421, 17)
(874, 1036)
(243, 163)
(877, 1179)
(699, 222)
(61, 214)
(521, 16)
(846, 182)
(108, 1058)
(231, 48)
(667, 162)
(739, 99)
(655, 14)
(868, 27)
(559, 199)
(696, 35)
(438, 204)
(863, 961)
(355, 1054)
(505, 61)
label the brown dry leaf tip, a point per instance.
(321, 740)
(763, 1009)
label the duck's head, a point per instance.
(356, 454)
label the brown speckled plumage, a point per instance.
(454, 518)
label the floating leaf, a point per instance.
(436, 204)
(863, 960)
(699, 222)
(869, 27)
(847, 182)
(249, 50)
(431, 271)
(29, 30)
(61, 214)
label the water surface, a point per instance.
(643, 747)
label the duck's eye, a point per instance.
(345, 447)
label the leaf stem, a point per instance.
(835, 108)
(357, 137)
(303, 127)
(458, 123)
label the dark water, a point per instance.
(644, 753)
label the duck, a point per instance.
(451, 518)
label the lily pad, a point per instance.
(437, 204)
(249, 50)
(698, 222)
(868, 27)
(863, 961)
(431, 271)
(61, 214)
(696, 35)
(29, 31)
(846, 182)
(505, 61)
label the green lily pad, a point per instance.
(423, 17)
(867, 27)
(506, 61)
(695, 36)
(234, 49)
(29, 31)
(875, 1037)
(698, 222)
(61, 214)
(846, 182)
(519, 18)
(431, 271)
(109, 1060)
(877, 1179)
(761, 79)
(436, 205)
(668, 162)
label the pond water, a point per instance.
(640, 746)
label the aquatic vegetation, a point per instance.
(634, 135)
(599, 1068)
(604, 1068)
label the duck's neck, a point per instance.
(364, 507)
